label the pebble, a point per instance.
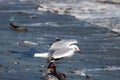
(15, 63)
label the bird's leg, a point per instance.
(51, 56)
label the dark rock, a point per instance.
(18, 28)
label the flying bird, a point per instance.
(64, 48)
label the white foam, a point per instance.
(86, 10)
(33, 24)
(85, 71)
(108, 68)
(27, 43)
(54, 24)
(78, 72)
(23, 0)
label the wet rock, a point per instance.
(17, 28)
(87, 76)
(11, 51)
(4, 67)
(59, 76)
(67, 10)
(41, 70)
(1, 65)
(15, 63)
(117, 35)
(42, 65)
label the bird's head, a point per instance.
(76, 49)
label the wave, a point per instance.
(85, 10)
(93, 9)
(86, 72)
(54, 24)
(108, 68)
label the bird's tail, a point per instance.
(42, 55)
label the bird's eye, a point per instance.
(75, 48)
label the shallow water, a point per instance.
(100, 58)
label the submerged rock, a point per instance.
(15, 63)
(1, 65)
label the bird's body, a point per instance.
(60, 49)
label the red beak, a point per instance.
(79, 51)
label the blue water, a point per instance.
(101, 49)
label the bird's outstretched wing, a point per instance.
(65, 43)
(61, 48)
(62, 52)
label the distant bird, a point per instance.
(60, 49)
(18, 28)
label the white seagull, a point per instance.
(60, 49)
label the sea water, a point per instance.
(91, 27)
